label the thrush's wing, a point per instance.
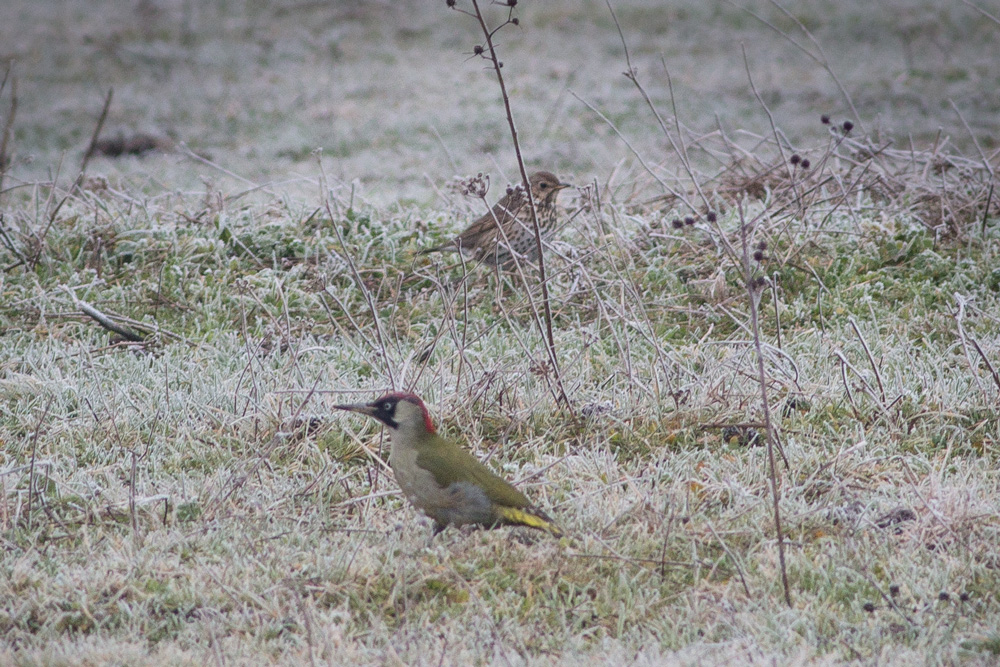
(484, 233)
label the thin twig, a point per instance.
(34, 450)
(369, 299)
(986, 211)
(871, 359)
(821, 59)
(7, 126)
(632, 74)
(91, 147)
(993, 370)
(982, 11)
(965, 339)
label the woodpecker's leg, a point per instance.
(438, 527)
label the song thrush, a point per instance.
(492, 238)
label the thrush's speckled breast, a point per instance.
(506, 231)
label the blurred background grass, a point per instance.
(389, 93)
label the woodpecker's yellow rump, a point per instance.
(442, 479)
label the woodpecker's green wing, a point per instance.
(453, 464)
(449, 464)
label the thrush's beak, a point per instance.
(363, 408)
(564, 185)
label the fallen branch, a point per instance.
(106, 321)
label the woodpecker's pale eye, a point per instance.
(387, 406)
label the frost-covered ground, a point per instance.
(194, 499)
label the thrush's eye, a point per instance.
(544, 185)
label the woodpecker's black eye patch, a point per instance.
(385, 411)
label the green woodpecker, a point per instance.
(441, 479)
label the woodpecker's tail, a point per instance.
(529, 516)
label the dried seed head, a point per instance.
(805, 164)
(677, 223)
(711, 216)
(894, 590)
(478, 49)
(869, 607)
(762, 245)
(758, 255)
(689, 221)
(515, 21)
(795, 159)
(825, 119)
(943, 596)
(848, 126)
(477, 186)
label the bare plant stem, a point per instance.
(753, 293)
(561, 396)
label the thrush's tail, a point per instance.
(513, 516)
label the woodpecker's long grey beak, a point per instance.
(363, 408)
